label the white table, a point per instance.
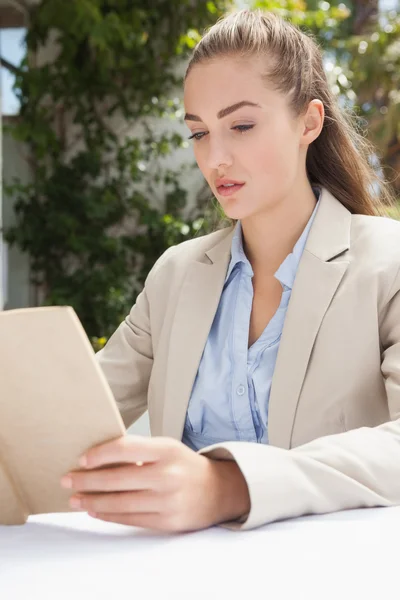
(342, 556)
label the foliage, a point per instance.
(94, 220)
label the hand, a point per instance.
(158, 483)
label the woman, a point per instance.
(261, 408)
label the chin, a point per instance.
(235, 211)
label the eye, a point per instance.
(240, 128)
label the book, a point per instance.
(55, 403)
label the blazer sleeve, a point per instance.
(355, 469)
(127, 357)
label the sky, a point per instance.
(12, 49)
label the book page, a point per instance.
(55, 402)
(12, 511)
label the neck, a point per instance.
(268, 237)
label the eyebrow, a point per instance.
(225, 111)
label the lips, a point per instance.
(228, 191)
(225, 180)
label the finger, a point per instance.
(122, 502)
(125, 478)
(157, 522)
(129, 449)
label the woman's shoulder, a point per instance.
(374, 233)
(202, 243)
(375, 249)
(181, 255)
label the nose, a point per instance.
(218, 153)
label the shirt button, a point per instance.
(240, 390)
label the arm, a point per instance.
(358, 468)
(127, 358)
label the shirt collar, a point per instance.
(286, 273)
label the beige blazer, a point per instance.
(334, 409)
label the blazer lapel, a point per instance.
(315, 285)
(195, 310)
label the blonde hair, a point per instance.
(339, 158)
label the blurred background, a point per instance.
(98, 177)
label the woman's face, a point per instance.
(257, 145)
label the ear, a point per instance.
(312, 122)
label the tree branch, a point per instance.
(9, 66)
(366, 12)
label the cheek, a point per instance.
(266, 157)
(274, 154)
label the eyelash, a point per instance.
(241, 128)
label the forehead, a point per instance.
(215, 84)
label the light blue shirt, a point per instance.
(230, 394)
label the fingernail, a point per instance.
(83, 461)
(66, 482)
